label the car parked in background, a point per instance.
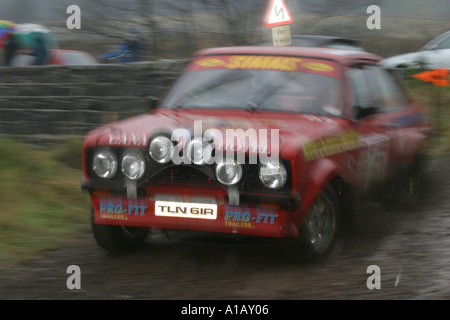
(56, 57)
(272, 142)
(72, 57)
(434, 55)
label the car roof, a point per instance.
(437, 39)
(343, 56)
(318, 41)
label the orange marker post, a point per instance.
(439, 78)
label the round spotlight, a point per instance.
(195, 151)
(273, 175)
(160, 149)
(133, 165)
(228, 172)
(105, 164)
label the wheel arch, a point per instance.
(416, 146)
(319, 177)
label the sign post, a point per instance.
(279, 19)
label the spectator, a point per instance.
(128, 51)
(10, 49)
(134, 44)
(40, 52)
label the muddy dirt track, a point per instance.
(410, 246)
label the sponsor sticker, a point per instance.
(318, 66)
(248, 218)
(263, 62)
(331, 145)
(112, 208)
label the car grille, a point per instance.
(181, 174)
(190, 175)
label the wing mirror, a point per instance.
(152, 102)
(361, 111)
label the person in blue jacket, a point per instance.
(128, 51)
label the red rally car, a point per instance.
(277, 142)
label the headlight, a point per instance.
(229, 172)
(133, 165)
(160, 149)
(104, 164)
(273, 175)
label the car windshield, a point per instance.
(269, 83)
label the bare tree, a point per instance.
(324, 10)
(239, 19)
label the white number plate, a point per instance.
(186, 210)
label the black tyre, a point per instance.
(407, 187)
(118, 239)
(412, 184)
(320, 229)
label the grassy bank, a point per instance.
(437, 100)
(42, 206)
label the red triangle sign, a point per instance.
(278, 14)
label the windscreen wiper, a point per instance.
(253, 105)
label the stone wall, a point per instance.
(53, 103)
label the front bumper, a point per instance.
(191, 209)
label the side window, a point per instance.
(444, 44)
(362, 99)
(360, 88)
(386, 93)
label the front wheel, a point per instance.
(320, 229)
(413, 182)
(118, 239)
(407, 188)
